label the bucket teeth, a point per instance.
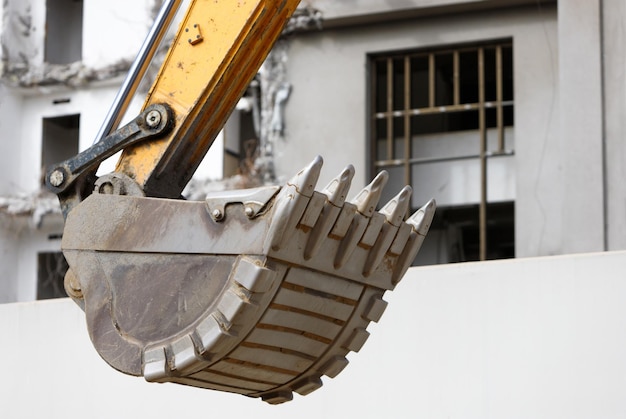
(292, 201)
(338, 188)
(262, 300)
(420, 222)
(306, 179)
(394, 212)
(421, 219)
(396, 209)
(365, 202)
(368, 198)
(336, 193)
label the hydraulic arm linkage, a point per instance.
(259, 291)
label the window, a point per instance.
(51, 268)
(441, 121)
(64, 31)
(60, 139)
(240, 143)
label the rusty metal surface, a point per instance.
(260, 303)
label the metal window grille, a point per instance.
(469, 89)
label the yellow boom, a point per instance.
(217, 51)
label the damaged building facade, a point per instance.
(57, 80)
(509, 113)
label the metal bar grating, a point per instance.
(468, 83)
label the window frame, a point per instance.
(391, 113)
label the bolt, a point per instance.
(217, 214)
(249, 212)
(57, 178)
(153, 119)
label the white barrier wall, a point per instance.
(524, 338)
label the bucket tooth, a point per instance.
(422, 218)
(336, 193)
(338, 188)
(420, 222)
(306, 179)
(291, 203)
(396, 209)
(365, 202)
(393, 213)
(368, 198)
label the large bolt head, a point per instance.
(153, 119)
(57, 178)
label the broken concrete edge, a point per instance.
(71, 75)
(305, 18)
(34, 206)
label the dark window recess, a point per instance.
(51, 269)
(460, 228)
(60, 139)
(64, 31)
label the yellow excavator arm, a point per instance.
(218, 50)
(259, 291)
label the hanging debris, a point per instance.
(305, 18)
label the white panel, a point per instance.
(525, 338)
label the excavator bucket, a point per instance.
(259, 292)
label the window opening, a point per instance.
(60, 139)
(64, 31)
(443, 106)
(51, 269)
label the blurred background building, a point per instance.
(510, 113)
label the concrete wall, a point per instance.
(614, 39)
(524, 338)
(11, 131)
(581, 132)
(123, 26)
(8, 256)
